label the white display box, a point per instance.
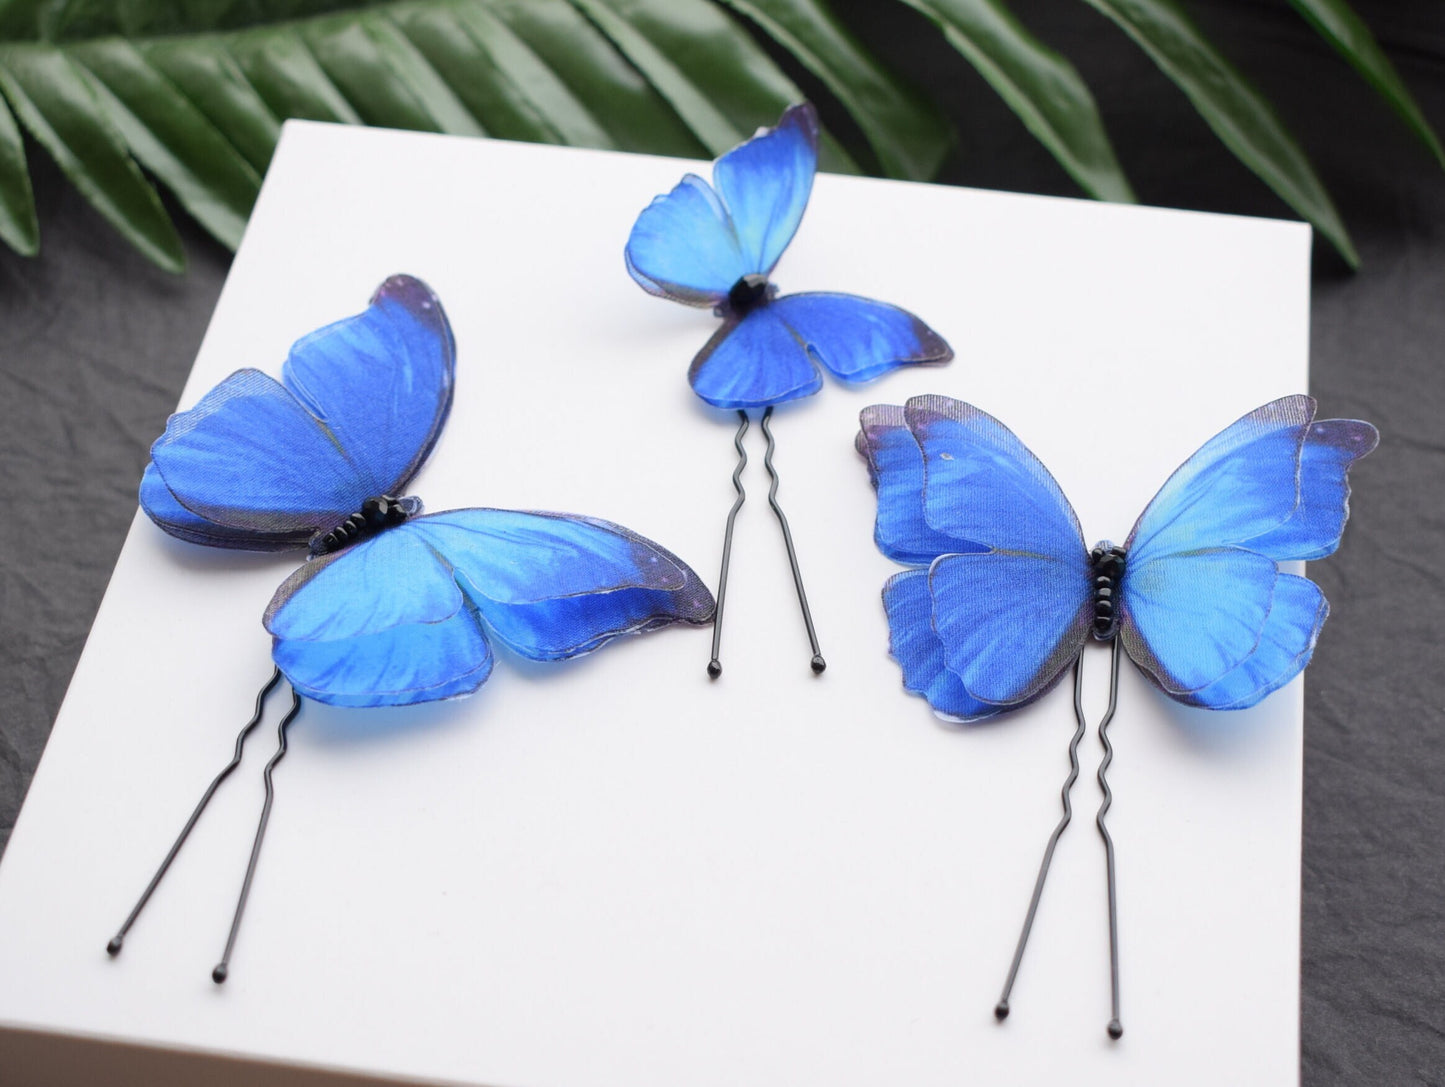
(613, 871)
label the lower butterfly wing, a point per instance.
(1286, 643)
(249, 459)
(754, 361)
(857, 339)
(915, 645)
(382, 623)
(380, 382)
(895, 467)
(1009, 624)
(552, 586)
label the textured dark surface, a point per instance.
(95, 345)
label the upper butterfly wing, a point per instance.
(1010, 595)
(262, 465)
(693, 243)
(380, 382)
(1204, 609)
(403, 617)
(766, 182)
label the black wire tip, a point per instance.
(113, 948)
(1000, 1010)
(714, 668)
(220, 973)
(1116, 1029)
(819, 664)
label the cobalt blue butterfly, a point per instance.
(1004, 593)
(394, 608)
(716, 246)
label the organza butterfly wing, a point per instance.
(1003, 605)
(406, 616)
(1205, 610)
(695, 243)
(264, 465)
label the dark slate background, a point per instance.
(95, 345)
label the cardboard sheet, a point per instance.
(614, 871)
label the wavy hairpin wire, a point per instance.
(1116, 1027)
(1001, 1009)
(714, 666)
(818, 664)
(223, 968)
(118, 940)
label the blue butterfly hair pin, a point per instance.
(715, 246)
(393, 608)
(1003, 594)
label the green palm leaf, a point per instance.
(195, 92)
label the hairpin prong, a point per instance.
(118, 940)
(223, 969)
(1116, 1027)
(714, 666)
(817, 663)
(1001, 1009)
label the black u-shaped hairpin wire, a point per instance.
(714, 666)
(1001, 1009)
(118, 940)
(223, 968)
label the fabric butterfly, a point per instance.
(716, 245)
(1003, 598)
(1003, 594)
(393, 608)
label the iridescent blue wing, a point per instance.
(693, 243)
(1204, 609)
(772, 354)
(552, 585)
(915, 645)
(766, 182)
(1009, 592)
(683, 246)
(1313, 530)
(752, 362)
(262, 465)
(380, 382)
(857, 339)
(895, 466)
(403, 617)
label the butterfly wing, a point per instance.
(1204, 609)
(262, 465)
(754, 361)
(693, 243)
(403, 617)
(857, 339)
(1009, 595)
(766, 182)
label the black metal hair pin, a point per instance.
(1001, 1009)
(714, 665)
(219, 974)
